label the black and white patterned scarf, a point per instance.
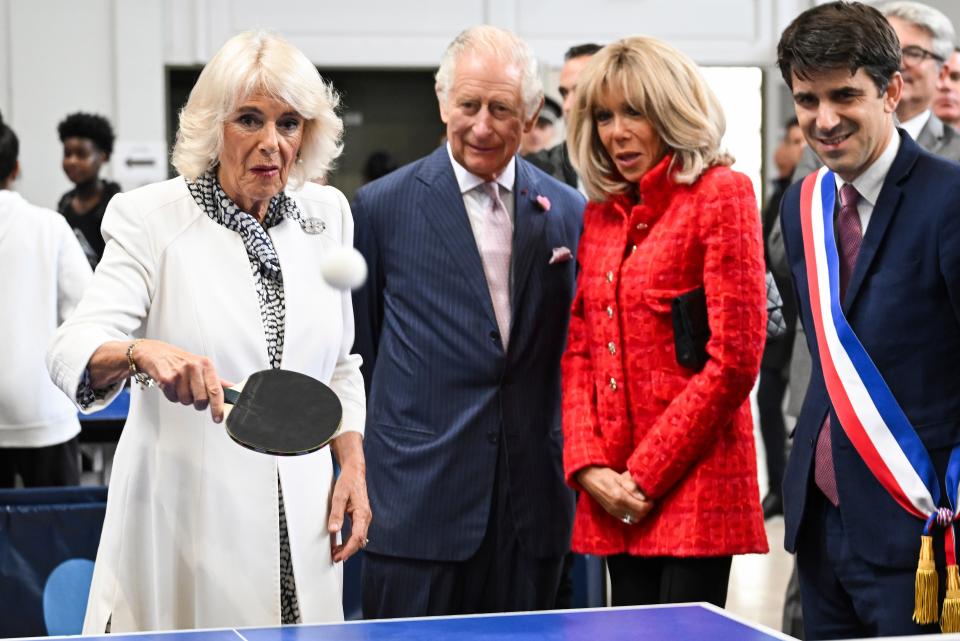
(268, 279)
(264, 263)
(209, 195)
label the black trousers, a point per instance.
(54, 465)
(565, 589)
(651, 580)
(500, 576)
(843, 595)
(773, 429)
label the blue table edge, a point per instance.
(706, 606)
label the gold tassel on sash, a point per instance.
(925, 601)
(950, 620)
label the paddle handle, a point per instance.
(230, 395)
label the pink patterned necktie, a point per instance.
(495, 248)
(850, 237)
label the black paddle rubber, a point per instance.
(283, 413)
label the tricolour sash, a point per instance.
(869, 414)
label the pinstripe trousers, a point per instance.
(500, 576)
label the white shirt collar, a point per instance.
(468, 181)
(916, 124)
(870, 182)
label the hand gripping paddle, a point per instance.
(282, 413)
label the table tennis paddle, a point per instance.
(282, 413)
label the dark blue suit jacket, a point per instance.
(903, 302)
(442, 393)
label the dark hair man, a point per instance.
(878, 287)
(555, 161)
(925, 39)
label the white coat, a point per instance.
(190, 538)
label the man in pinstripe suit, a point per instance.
(461, 327)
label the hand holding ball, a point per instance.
(344, 268)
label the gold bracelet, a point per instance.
(142, 378)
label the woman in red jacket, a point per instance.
(663, 453)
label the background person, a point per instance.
(556, 160)
(541, 135)
(664, 454)
(926, 41)
(775, 366)
(461, 328)
(378, 164)
(946, 105)
(87, 144)
(216, 274)
(46, 275)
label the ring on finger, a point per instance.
(364, 544)
(627, 519)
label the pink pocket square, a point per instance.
(560, 255)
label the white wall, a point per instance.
(109, 56)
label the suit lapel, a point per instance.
(529, 220)
(931, 136)
(442, 206)
(888, 203)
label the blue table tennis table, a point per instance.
(686, 622)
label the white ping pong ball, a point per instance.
(344, 268)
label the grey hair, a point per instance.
(927, 18)
(504, 46)
(252, 62)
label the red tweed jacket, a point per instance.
(687, 438)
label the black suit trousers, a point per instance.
(773, 428)
(843, 595)
(52, 466)
(653, 580)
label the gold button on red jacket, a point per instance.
(685, 436)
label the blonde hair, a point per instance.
(663, 85)
(504, 47)
(258, 62)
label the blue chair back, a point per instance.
(48, 540)
(65, 597)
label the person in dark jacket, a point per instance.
(87, 144)
(775, 366)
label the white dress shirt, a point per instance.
(476, 201)
(870, 182)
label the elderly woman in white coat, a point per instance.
(207, 278)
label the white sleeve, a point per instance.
(115, 303)
(73, 270)
(347, 381)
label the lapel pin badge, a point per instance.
(544, 203)
(314, 226)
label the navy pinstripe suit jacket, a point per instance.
(443, 395)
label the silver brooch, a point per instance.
(313, 225)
